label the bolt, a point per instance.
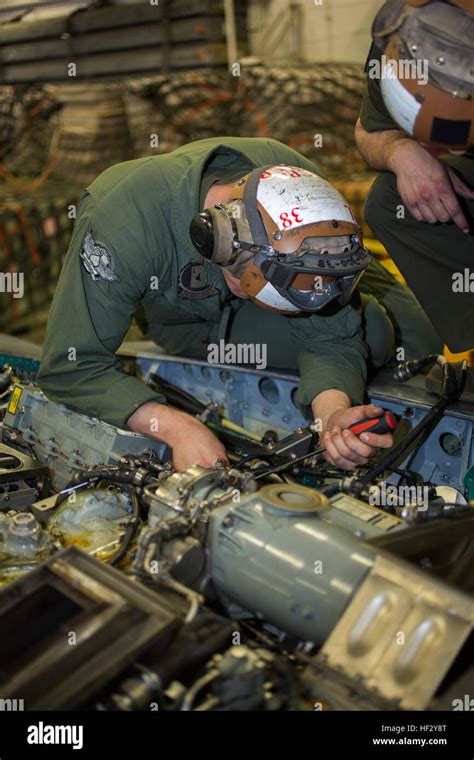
(24, 524)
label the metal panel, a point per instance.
(67, 441)
(399, 620)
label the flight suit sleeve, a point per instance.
(105, 274)
(332, 356)
(374, 115)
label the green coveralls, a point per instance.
(428, 255)
(131, 245)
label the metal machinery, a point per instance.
(278, 583)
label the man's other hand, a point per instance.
(191, 441)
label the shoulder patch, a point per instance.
(97, 260)
(191, 282)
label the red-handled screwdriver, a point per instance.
(386, 423)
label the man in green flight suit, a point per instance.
(182, 234)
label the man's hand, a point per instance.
(427, 188)
(343, 448)
(191, 441)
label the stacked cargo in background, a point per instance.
(86, 43)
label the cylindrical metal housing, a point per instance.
(276, 557)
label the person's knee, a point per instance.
(381, 202)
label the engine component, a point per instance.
(280, 537)
(451, 389)
(23, 480)
(94, 521)
(163, 677)
(68, 442)
(243, 679)
(443, 546)
(90, 621)
(6, 374)
(179, 508)
(259, 400)
(274, 554)
(397, 624)
(22, 535)
(292, 568)
(23, 545)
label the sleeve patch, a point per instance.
(97, 260)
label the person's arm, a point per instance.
(376, 148)
(333, 371)
(427, 187)
(88, 320)
(191, 441)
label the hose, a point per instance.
(200, 684)
(6, 378)
(111, 474)
(130, 530)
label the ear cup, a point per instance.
(214, 231)
(225, 233)
(201, 231)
